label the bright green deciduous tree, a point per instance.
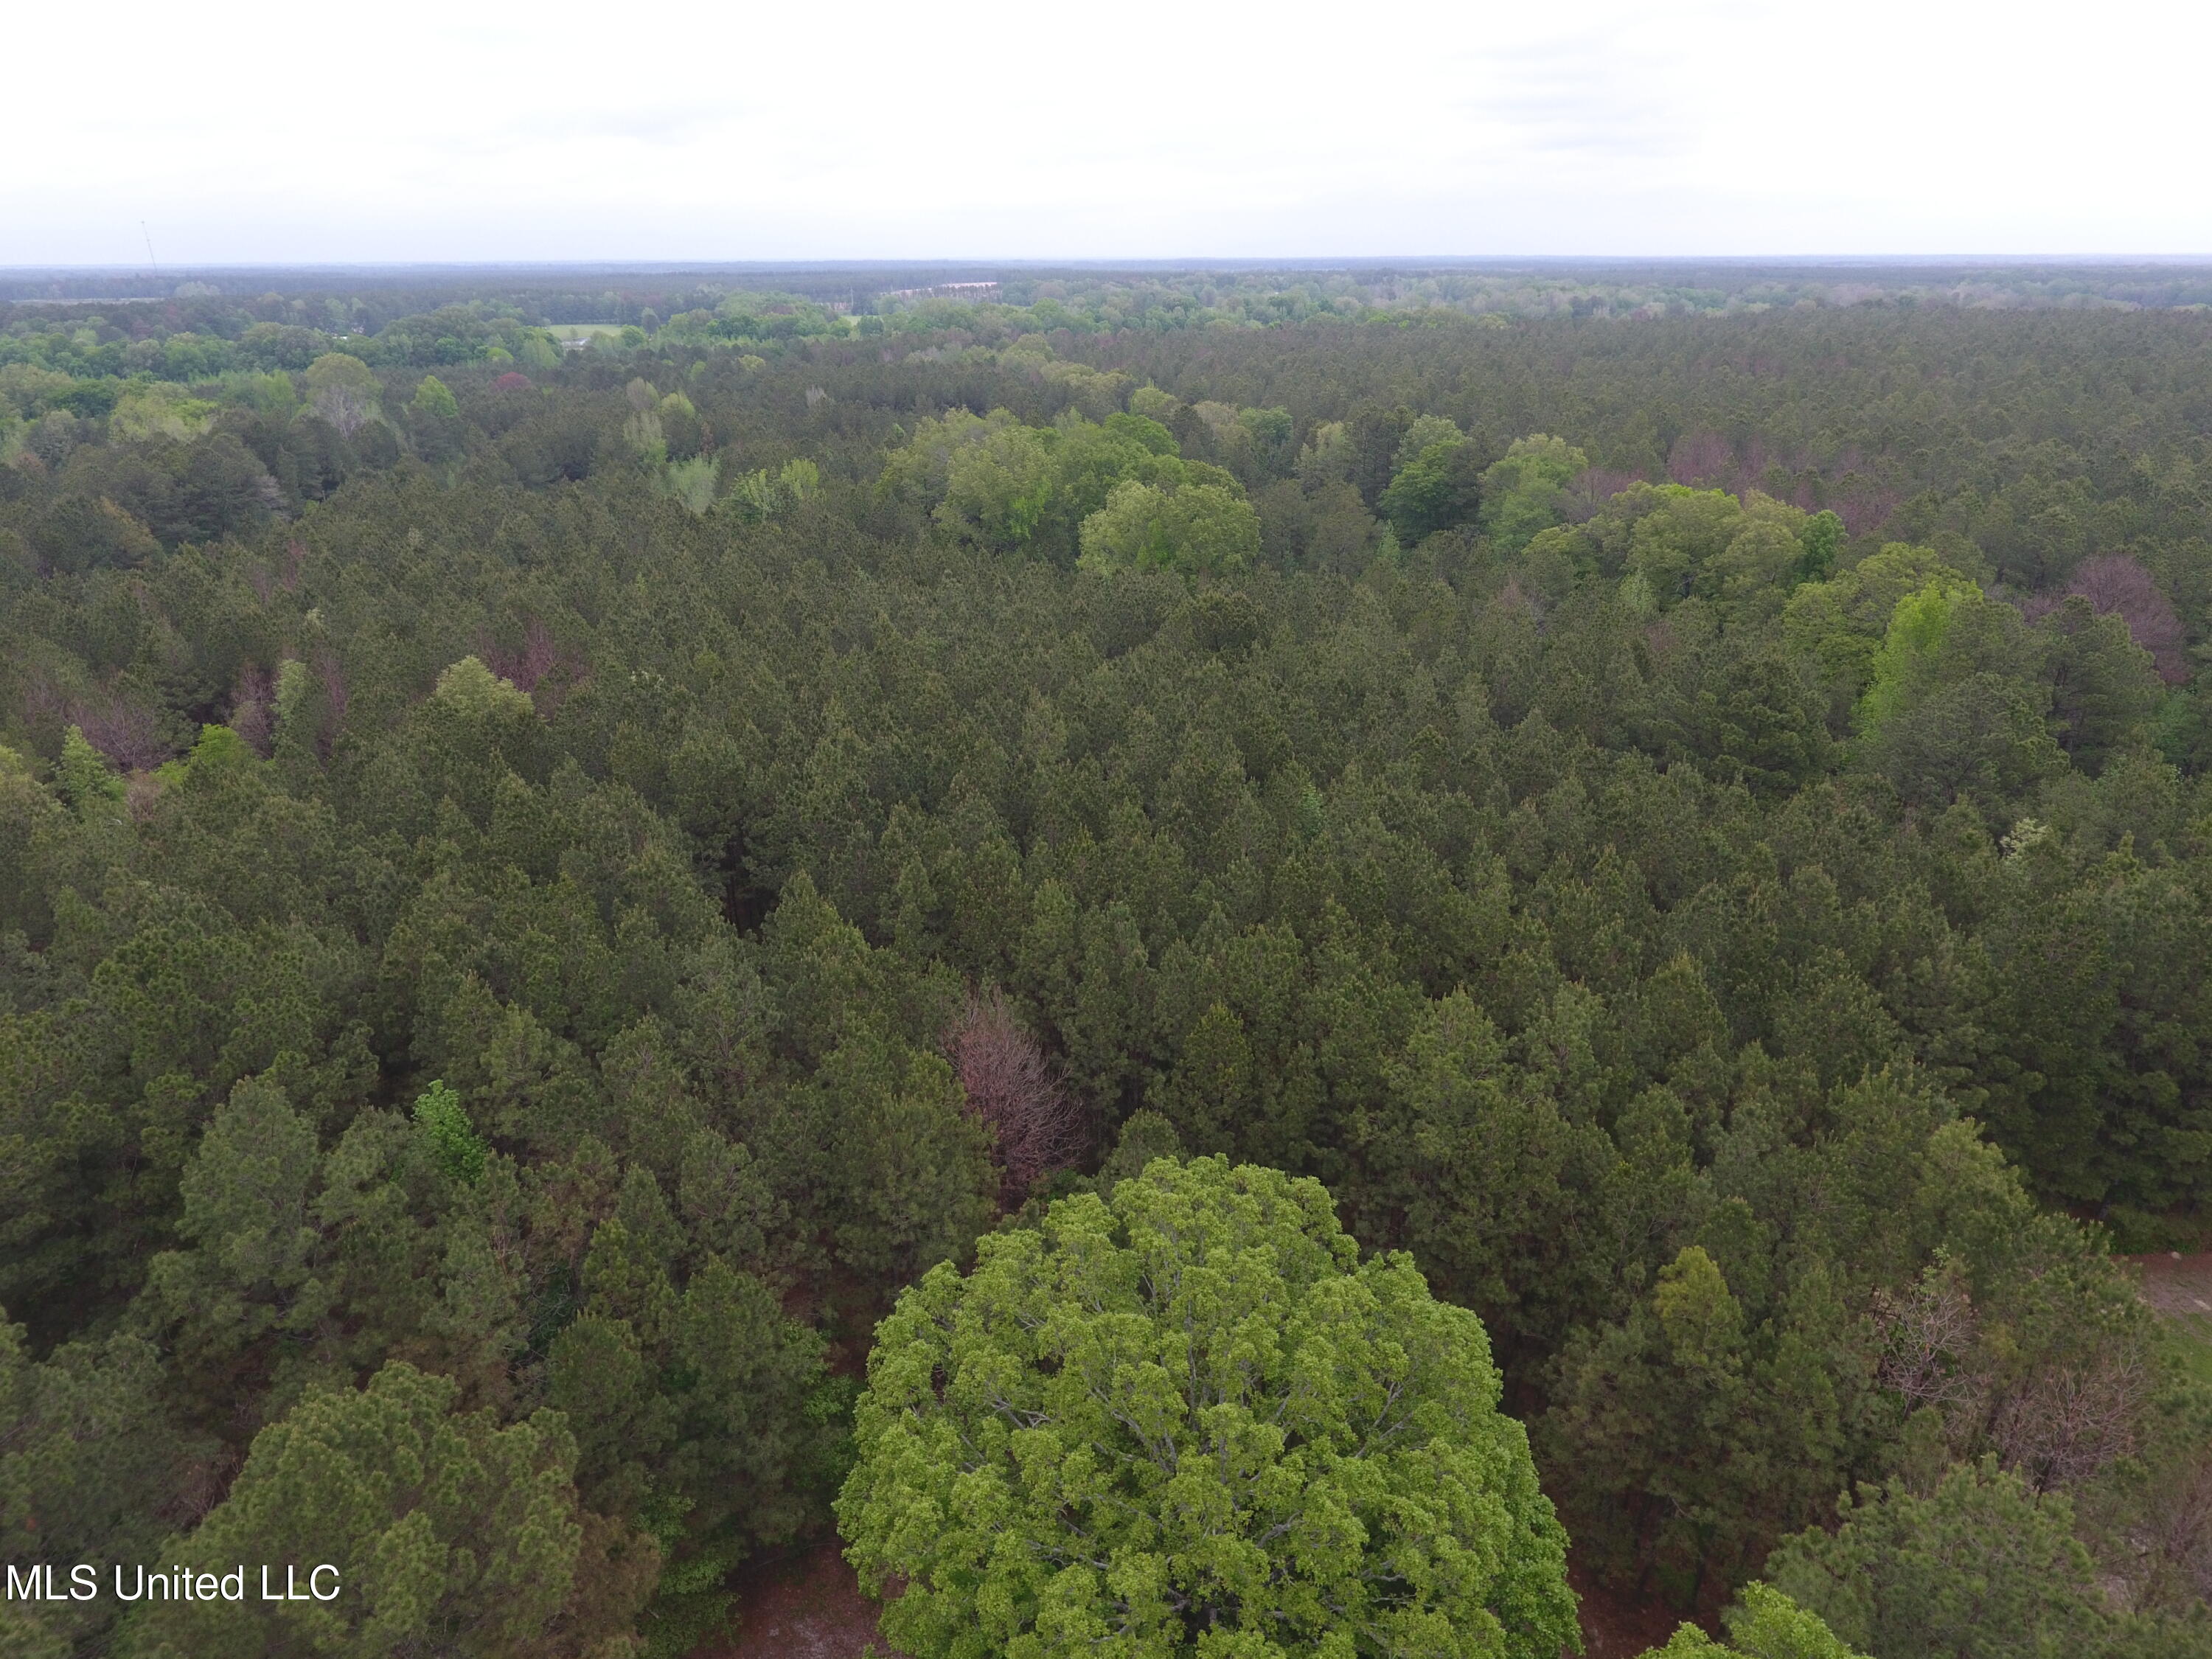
(160, 410)
(761, 496)
(692, 482)
(1201, 528)
(998, 486)
(1822, 538)
(1765, 1624)
(339, 369)
(1439, 486)
(1190, 1421)
(86, 781)
(470, 687)
(1523, 492)
(1917, 629)
(455, 1146)
(434, 397)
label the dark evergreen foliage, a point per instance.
(533, 902)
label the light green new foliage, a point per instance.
(472, 688)
(86, 782)
(1522, 492)
(339, 369)
(1764, 1624)
(642, 432)
(998, 490)
(692, 482)
(1917, 629)
(1198, 529)
(761, 496)
(160, 410)
(1425, 433)
(455, 1146)
(1190, 1421)
(434, 397)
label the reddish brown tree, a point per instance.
(528, 663)
(1705, 459)
(2115, 583)
(252, 715)
(329, 671)
(1013, 1086)
(1591, 489)
(128, 733)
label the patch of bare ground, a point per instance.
(805, 1604)
(1619, 1625)
(2180, 1288)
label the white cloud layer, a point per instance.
(248, 131)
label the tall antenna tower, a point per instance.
(150, 259)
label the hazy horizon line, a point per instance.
(1246, 262)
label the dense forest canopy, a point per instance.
(551, 880)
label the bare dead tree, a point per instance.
(538, 655)
(332, 673)
(1015, 1089)
(1929, 1338)
(2176, 1530)
(345, 407)
(251, 714)
(128, 733)
(1591, 488)
(2069, 1421)
(2116, 584)
(2054, 1426)
(1927, 1332)
(203, 1482)
(1701, 457)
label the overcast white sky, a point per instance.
(246, 130)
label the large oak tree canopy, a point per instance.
(1189, 1419)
